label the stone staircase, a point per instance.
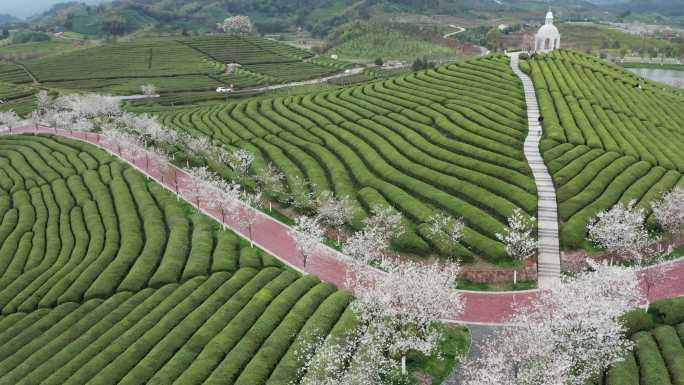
(547, 217)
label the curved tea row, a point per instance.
(608, 136)
(105, 277)
(446, 139)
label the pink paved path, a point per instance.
(330, 265)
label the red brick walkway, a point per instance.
(330, 265)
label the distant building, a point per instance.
(548, 37)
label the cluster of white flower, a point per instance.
(238, 24)
(519, 236)
(568, 335)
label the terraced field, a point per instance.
(658, 354)
(18, 97)
(605, 140)
(658, 359)
(446, 139)
(106, 278)
(174, 66)
(278, 61)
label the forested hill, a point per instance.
(663, 7)
(318, 16)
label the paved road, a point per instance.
(547, 216)
(483, 50)
(353, 71)
(478, 335)
(450, 34)
(488, 308)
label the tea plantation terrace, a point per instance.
(448, 139)
(172, 65)
(106, 278)
(609, 136)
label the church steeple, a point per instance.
(549, 17)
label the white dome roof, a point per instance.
(548, 30)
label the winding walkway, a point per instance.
(548, 260)
(485, 308)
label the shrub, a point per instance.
(652, 367)
(623, 373)
(668, 311)
(637, 320)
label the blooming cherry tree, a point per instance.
(239, 161)
(200, 184)
(238, 24)
(198, 146)
(366, 246)
(620, 230)
(669, 209)
(302, 196)
(118, 141)
(402, 307)
(335, 212)
(567, 335)
(370, 244)
(148, 89)
(42, 102)
(160, 161)
(386, 221)
(308, 235)
(356, 358)
(447, 230)
(519, 238)
(270, 181)
(224, 197)
(247, 215)
(9, 119)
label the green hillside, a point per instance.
(106, 278)
(605, 140)
(19, 98)
(389, 42)
(174, 65)
(446, 139)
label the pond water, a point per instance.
(672, 77)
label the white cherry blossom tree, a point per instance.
(200, 184)
(238, 24)
(519, 238)
(9, 120)
(370, 245)
(308, 235)
(42, 102)
(302, 196)
(447, 230)
(248, 215)
(335, 212)
(239, 161)
(620, 230)
(270, 181)
(402, 308)
(148, 89)
(386, 221)
(356, 358)
(366, 246)
(567, 335)
(669, 210)
(224, 196)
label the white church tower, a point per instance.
(548, 37)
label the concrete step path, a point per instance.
(548, 264)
